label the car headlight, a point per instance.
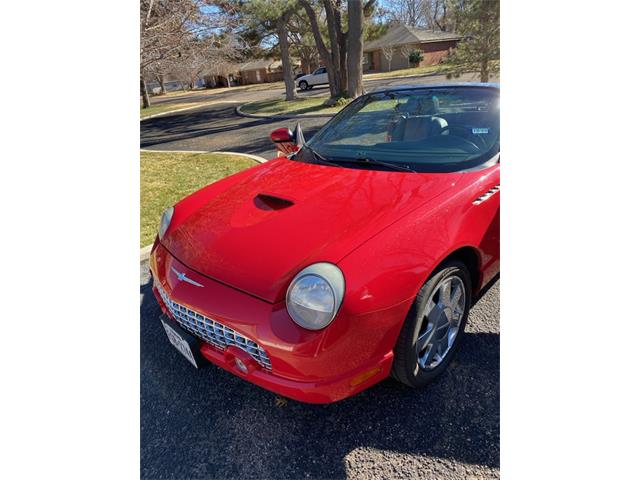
(315, 295)
(165, 221)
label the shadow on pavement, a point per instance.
(216, 128)
(208, 423)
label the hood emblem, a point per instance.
(183, 278)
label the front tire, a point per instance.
(434, 325)
(303, 85)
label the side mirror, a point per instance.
(286, 141)
(282, 135)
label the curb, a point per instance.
(146, 251)
(257, 158)
(206, 104)
(281, 117)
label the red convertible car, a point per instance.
(356, 256)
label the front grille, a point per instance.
(213, 332)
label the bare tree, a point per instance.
(164, 26)
(387, 52)
(169, 27)
(436, 12)
(223, 69)
(409, 12)
(405, 51)
(158, 71)
(432, 14)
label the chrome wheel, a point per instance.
(441, 322)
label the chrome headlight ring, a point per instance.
(315, 295)
(165, 221)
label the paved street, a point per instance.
(210, 424)
(217, 127)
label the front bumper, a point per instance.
(347, 357)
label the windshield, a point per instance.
(438, 129)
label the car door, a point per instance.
(320, 76)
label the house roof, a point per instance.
(269, 63)
(401, 34)
(258, 64)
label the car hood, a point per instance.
(255, 230)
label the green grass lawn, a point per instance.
(435, 69)
(166, 178)
(441, 69)
(299, 106)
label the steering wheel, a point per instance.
(465, 134)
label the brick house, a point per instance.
(399, 40)
(262, 71)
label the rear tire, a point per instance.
(434, 325)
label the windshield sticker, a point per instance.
(480, 131)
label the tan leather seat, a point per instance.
(418, 121)
(418, 127)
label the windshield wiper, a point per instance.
(319, 157)
(373, 161)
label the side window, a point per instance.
(320, 71)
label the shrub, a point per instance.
(337, 101)
(415, 57)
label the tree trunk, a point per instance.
(322, 49)
(160, 80)
(289, 84)
(143, 92)
(343, 42)
(334, 33)
(484, 70)
(354, 56)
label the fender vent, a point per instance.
(486, 195)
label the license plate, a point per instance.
(181, 344)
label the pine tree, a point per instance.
(479, 50)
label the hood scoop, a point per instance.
(268, 202)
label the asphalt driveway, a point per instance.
(210, 424)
